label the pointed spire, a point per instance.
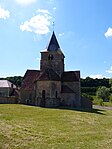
(53, 44)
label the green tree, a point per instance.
(110, 82)
(111, 98)
(103, 93)
(15, 80)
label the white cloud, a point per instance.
(108, 33)
(54, 8)
(110, 70)
(25, 2)
(98, 76)
(105, 62)
(43, 11)
(61, 34)
(4, 13)
(38, 24)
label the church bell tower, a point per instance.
(52, 57)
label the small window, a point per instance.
(56, 94)
(50, 57)
(43, 94)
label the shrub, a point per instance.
(100, 102)
(103, 93)
(110, 98)
(87, 96)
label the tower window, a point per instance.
(43, 94)
(50, 57)
(56, 94)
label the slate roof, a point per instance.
(53, 44)
(6, 84)
(70, 76)
(66, 89)
(29, 78)
(48, 74)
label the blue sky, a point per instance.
(83, 29)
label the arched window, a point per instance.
(43, 94)
(56, 94)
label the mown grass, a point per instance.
(27, 127)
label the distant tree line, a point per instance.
(90, 85)
(90, 82)
(15, 80)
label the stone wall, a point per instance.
(75, 86)
(50, 88)
(86, 103)
(48, 102)
(56, 63)
(68, 99)
(27, 97)
(8, 100)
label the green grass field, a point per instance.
(27, 127)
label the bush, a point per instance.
(87, 96)
(101, 102)
(110, 98)
(98, 101)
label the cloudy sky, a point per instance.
(83, 29)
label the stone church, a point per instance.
(51, 86)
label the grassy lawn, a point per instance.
(26, 127)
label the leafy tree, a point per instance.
(110, 82)
(15, 80)
(103, 93)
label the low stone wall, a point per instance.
(8, 100)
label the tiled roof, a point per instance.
(70, 76)
(48, 74)
(29, 78)
(6, 84)
(66, 89)
(53, 44)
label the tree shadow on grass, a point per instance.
(96, 111)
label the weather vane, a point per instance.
(53, 26)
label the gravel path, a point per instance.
(102, 107)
